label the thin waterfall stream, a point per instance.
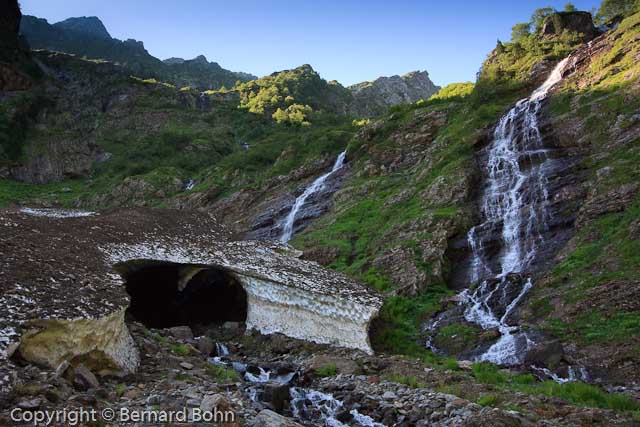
(514, 206)
(316, 186)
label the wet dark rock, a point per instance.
(202, 102)
(205, 345)
(548, 353)
(277, 396)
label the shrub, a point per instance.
(488, 373)
(328, 370)
(222, 374)
(488, 400)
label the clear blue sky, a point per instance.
(349, 41)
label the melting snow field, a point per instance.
(56, 213)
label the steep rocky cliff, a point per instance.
(374, 98)
(17, 71)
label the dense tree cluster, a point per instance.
(610, 9)
(292, 96)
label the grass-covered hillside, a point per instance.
(589, 300)
(105, 138)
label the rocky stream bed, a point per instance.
(279, 381)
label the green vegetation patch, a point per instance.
(222, 374)
(328, 370)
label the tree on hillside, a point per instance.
(520, 31)
(612, 8)
(569, 7)
(537, 19)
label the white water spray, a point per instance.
(315, 186)
(514, 201)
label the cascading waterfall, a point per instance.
(514, 207)
(315, 186)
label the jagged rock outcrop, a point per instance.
(89, 25)
(374, 98)
(580, 22)
(62, 298)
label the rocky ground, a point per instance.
(277, 381)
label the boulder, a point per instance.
(268, 418)
(581, 22)
(182, 333)
(205, 345)
(547, 353)
(277, 395)
(83, 378)
(215, 401)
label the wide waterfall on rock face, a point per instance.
(287, 231)
(514, 208)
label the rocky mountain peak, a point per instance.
(200, 59)
(89, 25)
(373, 98)
(173, 61)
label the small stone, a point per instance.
(132, 394)
(186, 365)
(11, 349)
(215, 401)
(231, 325)
(83, 378)
(52, 395)
(465, 365)
(154, 399)
(61, 369)
(30, 404)
(183, 333)
(389, 395)
(268, 418)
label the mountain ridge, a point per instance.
(87, 36)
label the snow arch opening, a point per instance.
(169, 294)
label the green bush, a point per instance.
(488, 400)
(488, 373)
(328, 370)
(222, 374)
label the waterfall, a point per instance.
(513, 205)
(315, 186)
